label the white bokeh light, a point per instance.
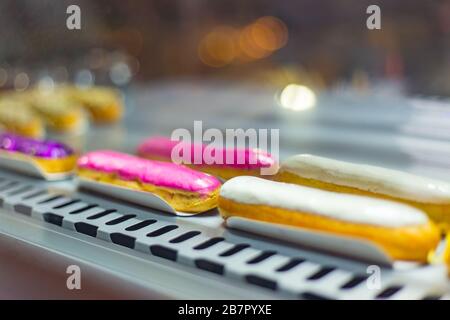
(297, 97)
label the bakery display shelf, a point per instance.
(256, 266)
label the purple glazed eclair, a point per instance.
(231, 162)
(50, 156)
(184, 189)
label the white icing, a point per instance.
(369, 178)
(346, 207)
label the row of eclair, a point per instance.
(62, 109)
(399, 212)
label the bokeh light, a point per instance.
(46, 83)
(250, 49)
(21, 81)
(120, 73)
(297, 98)
(84, 78)
(269, 33)
(225, 45)
(218, 48)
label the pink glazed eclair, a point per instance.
(184, 189)
(243, 162)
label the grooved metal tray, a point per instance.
(204, 246)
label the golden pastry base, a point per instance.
(406, 243)
(179, 200)
(65, 122)
(105, 114)
(59, 165)
(33, 129)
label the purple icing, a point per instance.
(34, 147)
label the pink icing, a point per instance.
(162, 147)
(162, 174)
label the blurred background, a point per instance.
(321, 42)
(310, 68)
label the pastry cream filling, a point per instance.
(389, 182)
(344, 207)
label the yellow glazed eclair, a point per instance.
(104, 104)
(17, 117)
(447, 253)
(60, 112)
(404, 232)
(431, 196)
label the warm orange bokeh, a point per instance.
(225, 45)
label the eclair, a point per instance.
(103, 104)
(184, 189)
(59, 111)
(403, 232)
(231, 162)
(50, 156)
(431, 196)
(17, 117)
(446, 254)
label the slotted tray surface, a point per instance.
(201, 242)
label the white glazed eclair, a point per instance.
(404, 232)
(431, 196)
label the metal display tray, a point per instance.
(227, 263)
